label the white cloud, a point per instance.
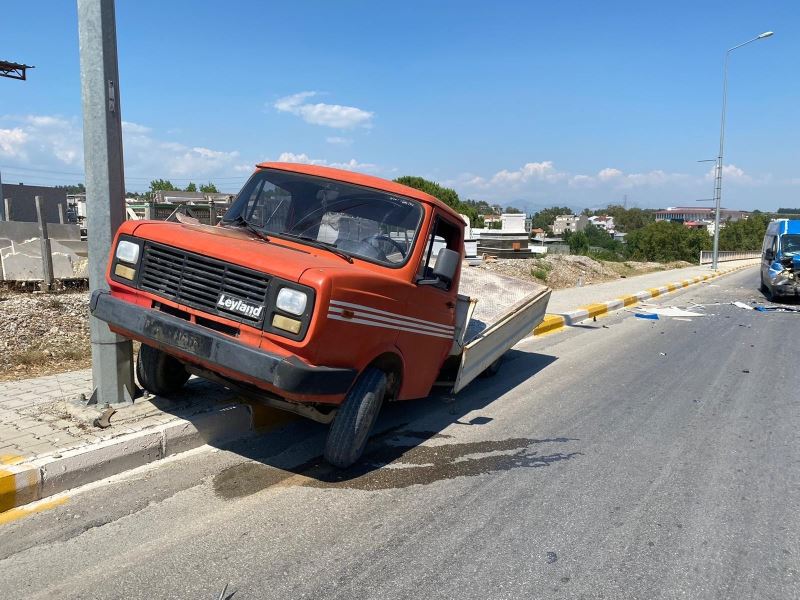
(336, 116)
(532, 171)
(41, 146)
(730, 173)
(350, 165)
(608, 173)
(12, 142)
(37, 138)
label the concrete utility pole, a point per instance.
(112, 355)
(718, 177)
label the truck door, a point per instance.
(433, 308)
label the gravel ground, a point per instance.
(42, 334)
(560, 271)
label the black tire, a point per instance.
(159, 373)
(493, 369)
(353, 423)
(764, 289)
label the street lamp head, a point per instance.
(766, 34)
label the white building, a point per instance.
(603, 222)
(573, 223)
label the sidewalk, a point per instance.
(50, 443)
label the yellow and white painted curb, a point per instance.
(25, 480)
(555, 322)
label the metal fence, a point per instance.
(706, 256)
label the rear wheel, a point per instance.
(159, 373)
(353, 423)
(493, 369)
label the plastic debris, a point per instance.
(742, 305)
(650, 316)
(673, 311)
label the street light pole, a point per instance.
(718, 181)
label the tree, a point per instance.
(162, 185)
(191, 187)
(578, 243)
(747, 234)
(665, 241)
(209, 188)
(598, 237)
(78, 188)
(544, 218)
(627, 219)
(447, 195)
(512, 210)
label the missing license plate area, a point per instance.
(177, 337)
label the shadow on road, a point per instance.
(408, 447)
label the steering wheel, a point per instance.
(382, 237)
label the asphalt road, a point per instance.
(622, 459)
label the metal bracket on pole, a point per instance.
(112, 355)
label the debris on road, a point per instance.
(673, 311)
(649, 316)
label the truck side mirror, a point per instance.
(769, 254)
(447, 263)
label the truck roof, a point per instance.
(362, 180)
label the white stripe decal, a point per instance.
(386, 320)
(432, 324)
(387, 326)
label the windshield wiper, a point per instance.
(240, 220)
(317, 244)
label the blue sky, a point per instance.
(523, 103)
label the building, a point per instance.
(573, 223)
(603, 222)
(695, 213)
(538, 233)
(22, 203)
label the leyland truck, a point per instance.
(323, 292)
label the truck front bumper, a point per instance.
(210, 348)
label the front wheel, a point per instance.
(353, 423)
(158, 372)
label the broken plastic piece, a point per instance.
(652, 317)
(742, 305)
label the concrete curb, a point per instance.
(555, 322)
(49, 475)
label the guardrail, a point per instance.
(706, 256)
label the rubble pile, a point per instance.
(43, 333)
(564, 270)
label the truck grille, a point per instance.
(198, 281)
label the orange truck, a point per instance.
(322, 292)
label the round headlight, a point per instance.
(127, 252)
(292, 301)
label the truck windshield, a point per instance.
(790, 243)
(358, 221)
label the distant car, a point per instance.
(780, 259)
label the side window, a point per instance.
(443, 235)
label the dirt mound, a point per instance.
(563, 270)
